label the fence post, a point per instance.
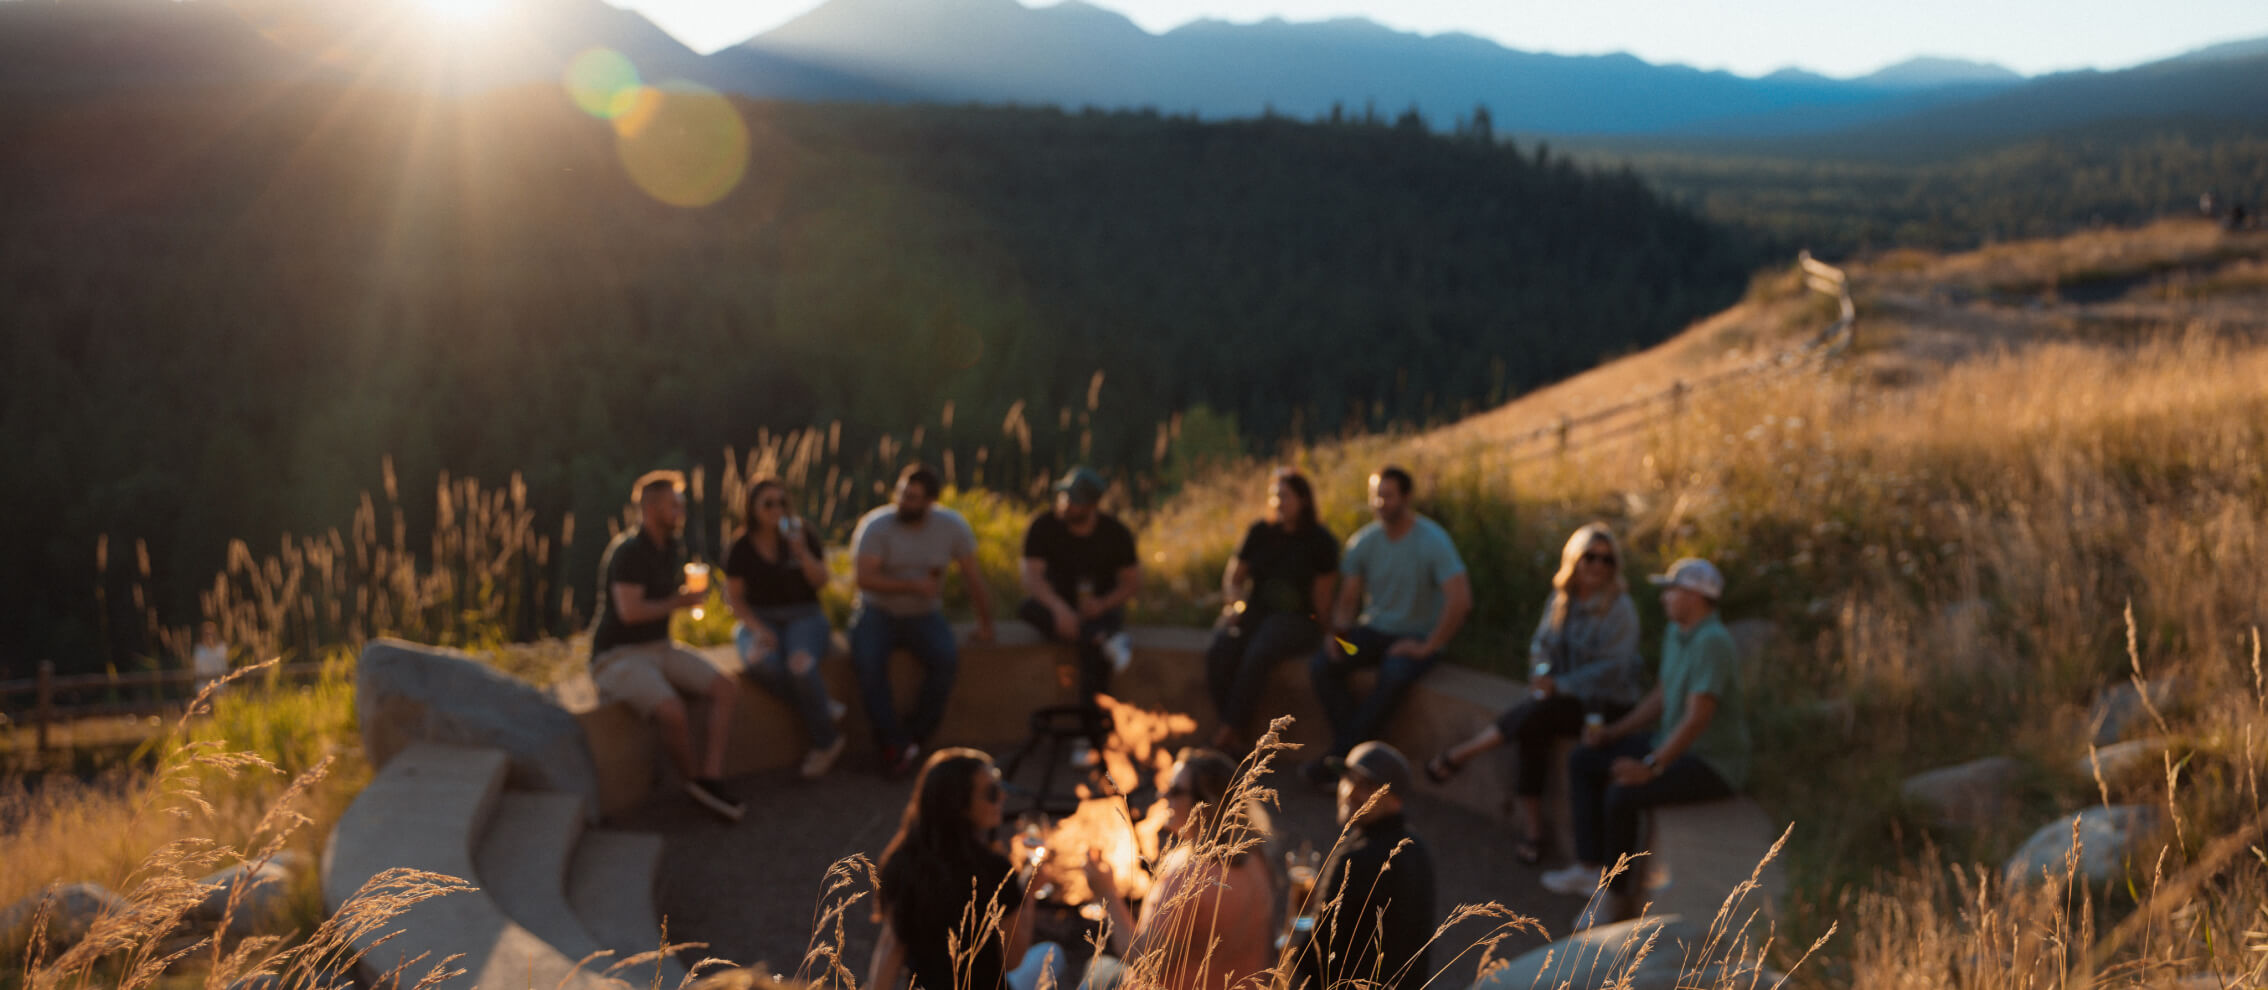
(43, 711)
(1565, 425)
(1677, 397)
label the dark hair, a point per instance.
(918, 473)
(927, 866)
(756, 490)
(1297, 482)
(1212, 776)
(1399, 477)
(655, 479)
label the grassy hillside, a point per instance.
(1949, 529)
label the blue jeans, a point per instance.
(874, 635)
(1353, 723)
(797, 631)
(1605, 814)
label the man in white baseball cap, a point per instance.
(1700, 754)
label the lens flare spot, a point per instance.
(602, 82)
(683, 144)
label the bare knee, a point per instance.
(722, 690)
(670, 714)
(800, 663)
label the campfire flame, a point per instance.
(1134, 755)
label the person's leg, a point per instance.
(1094, 665)
(676, 731)
(930, 638)
(1587, 784)
(695, 674)
(1396, 675)
(1275, 639)
(1328, 670)
(871, 642)
(1537, 726)
(1683, 781)
(1222, 657)
(633, 675)
(804, 640)
(1039, 617)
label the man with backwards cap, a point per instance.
(1374, 895)
(1701, 754)
(1080, 570)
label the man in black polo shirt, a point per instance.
(642, 581)
(1080, 570)
(1377, 885)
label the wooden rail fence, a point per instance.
(56, 699)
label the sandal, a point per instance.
(1441, 768)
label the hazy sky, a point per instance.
(1837, 37)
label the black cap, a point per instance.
(1379, 763)
(1082, 484)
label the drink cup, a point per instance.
(1302, 878)
(697, 578)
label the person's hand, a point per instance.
(1092, 608)
(1542, 686)
(1628, 772)
(928, 587)
(982, 635)
(1066, 622)
(1101, 879)
(763, 642)
(1595, 735)
(1411, 648)
(689, 599)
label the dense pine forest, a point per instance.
(226, 305)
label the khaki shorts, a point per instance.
(650, 675)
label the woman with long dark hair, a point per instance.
(773, 574)
(1278, 584)
(1584, 659)
(952, 907)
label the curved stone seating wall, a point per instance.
(1001, 684)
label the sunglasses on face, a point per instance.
(992, 792)
(1604, 559)
(1179, 792)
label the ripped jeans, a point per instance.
(798, 631)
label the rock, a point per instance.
(406, 693)
(1597, 957)
(266, 889)
(1966, 795)
(2126, 762)
(2109, 839)
(72, 910)
(2119, 710)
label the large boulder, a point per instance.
(261, 890)
(2110, 844)
(2120, 764)
(1966, 795)
(406, 693)
(2118, 711)
(72, 910)
(1606, 955)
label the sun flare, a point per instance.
(461, 12)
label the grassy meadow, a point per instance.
(2041, 471)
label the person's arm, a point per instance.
(1649, 711)
(1233, 579)
(1458, 594)
(1319, 598)
(889, 961)
(872, 580)
(1129, 583)
(1102, 883)
(1342, 616)
(1614, 662)
(810, 557)
(631, 604)
(1020, 923)
(736, 599)
(979, 596)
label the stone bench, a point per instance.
(1002, 683)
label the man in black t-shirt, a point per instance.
(1080, 570)
(1377, 884)
(642, 579)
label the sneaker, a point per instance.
(1120, 649)
(1082, 753)
(1574, 881)
(712, 795)
(905, 760)
(821, 759)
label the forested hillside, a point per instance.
(224, 305)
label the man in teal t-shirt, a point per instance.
(1404, 577)
(1700, 753)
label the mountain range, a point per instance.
(1076, 55)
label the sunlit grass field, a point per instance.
(1998, 503)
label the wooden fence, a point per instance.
(56, 699)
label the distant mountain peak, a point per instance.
(1932, 71)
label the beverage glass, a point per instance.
(1541, 669)
(697, 581)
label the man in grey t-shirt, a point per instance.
(902, 550)
(1405, 579)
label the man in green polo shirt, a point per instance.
(1700, 754)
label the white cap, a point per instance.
(1694, 575)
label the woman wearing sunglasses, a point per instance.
(930, 871)
(1208, 921)
(1584, 661)
(773, 574)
